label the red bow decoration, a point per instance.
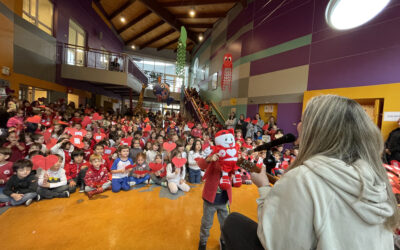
(126, 141)
(77, 141)
(109, 151)
(169, 146)
(45, 163)
(190, 125)
(156, 166)
(97, 117)
(99, 137)
(51, 143)
(179, 162)
(34, 119)
(265, 127)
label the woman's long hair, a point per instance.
(338, 127)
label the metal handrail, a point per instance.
(195, 107)
(217, 111)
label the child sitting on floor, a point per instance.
(96, 178)
(6, 170)
(176, 175)
(119, 173)
(53, 182)
(76, 170)
(21, 187)
(158, 177)
(140, 173)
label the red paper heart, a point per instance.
(99, 137)
(254, 122)
(75, 132)
(247, 119)
(39, 161)
(190, 125)
(97, 117)
(169, 146)
(265, 127)
(34, 119)
(86, 121)
(141, 172)
(178, 162)
(130, 166)
(47, 134)
(147, 128)
(204, 125)
(156, 166)
(51, 143)
(126, 141)
(146, 119)
(109, 151)
(77, 141)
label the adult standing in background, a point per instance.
(393, 145)
(271, 122)
(231, 122)
(259, 125)
(241, 124)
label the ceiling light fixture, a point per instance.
(192, 12)
(348, 14)
(133, 47)
(123, 20)
(201, 37)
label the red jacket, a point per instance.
(212, 177)
(106, 162)
(96, 178)
(6, 172)
(72, 169)
(88, 153)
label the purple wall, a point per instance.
(81, 11)
(288, 114)
(252, 110)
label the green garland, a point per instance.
(181, 54)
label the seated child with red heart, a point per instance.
(52, 181)
(140, 172)
(176, 173)
(158, 171)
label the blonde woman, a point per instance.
(336, 194)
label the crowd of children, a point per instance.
(50, 151)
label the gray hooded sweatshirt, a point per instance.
(316, 206)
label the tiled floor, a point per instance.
(145, 218)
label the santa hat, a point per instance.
(224, 132)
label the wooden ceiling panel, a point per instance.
(201, 8)
(165, 40)
(152, 34)
(198, 30)
(111, 5)
(144, 24)
(134, 10)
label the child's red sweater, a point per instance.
(72, 169)
(6, 172)
(96, 178)
(16, 154)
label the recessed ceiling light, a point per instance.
(123, 20)
(133, 47)
(192, 12)
(348, 14)
(201, 37)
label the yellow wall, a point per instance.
(265, 116)
(389, 92)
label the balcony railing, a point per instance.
(99, 59)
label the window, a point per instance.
(76, 39)
(39, 13)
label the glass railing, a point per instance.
(99, 59)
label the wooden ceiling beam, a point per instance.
(154, 26)
(169, 32)
(202, 15)
(168, 17)
(195, 3)
(134, 21)
(198, 25)
(168, 44)
(121, 9)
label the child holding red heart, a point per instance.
(140, 173)
(158, 176)
(21, 187)
(119, 173)
(63, 148)
(176, 173)
(53, 182)
(76, 171)
(151, 154)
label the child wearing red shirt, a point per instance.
(99, 149)
(18, 149)
(76, 171)
(6, 170)
(96, 178)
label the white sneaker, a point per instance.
(28, 202)
(38, 197)
(132, 183)
(151, 181)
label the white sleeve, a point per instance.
(55, 148)
(170, 175)
(62, 182)
(286, 214)
(191, 158)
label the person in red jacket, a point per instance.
(6, 170)
(99, 149)
(215, 199)
(96, 179)
(75, 171)
(18, 149)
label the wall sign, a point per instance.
(391, 116)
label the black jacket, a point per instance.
(393, 142)
(21, 186)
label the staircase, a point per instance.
(192, 108)
(218, 112)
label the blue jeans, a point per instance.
(120, 183)
(138, 180)
(194, 176)
(5, 198)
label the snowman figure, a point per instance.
(227, 151)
